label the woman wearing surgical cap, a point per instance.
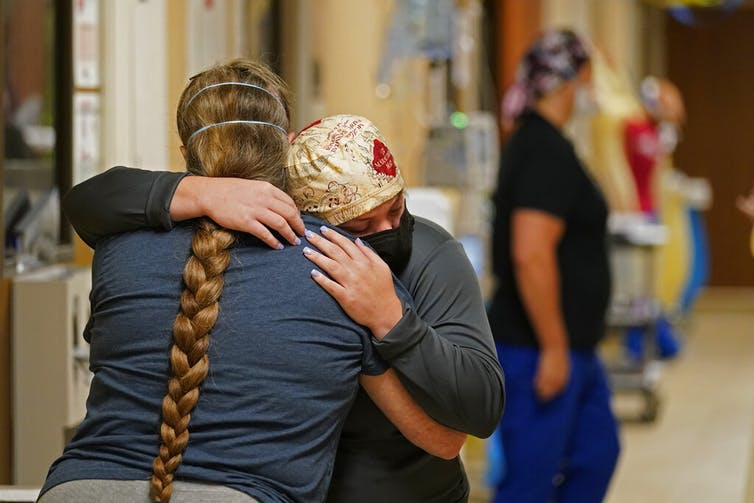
(559, 435)
(340, 169)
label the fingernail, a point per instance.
(307, 250)
(297, 241)
(309, 234)
(315, 273)
(359, 242)
(324, 229)
(279, 246)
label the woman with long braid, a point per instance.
(263, 365)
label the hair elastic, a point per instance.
(244, 84)
(262, 123)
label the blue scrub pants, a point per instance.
(564, 450)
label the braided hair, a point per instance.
(242, 150)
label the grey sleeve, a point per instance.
(443, 348)
(121, 199)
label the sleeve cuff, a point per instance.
(160, 197)
(407, 333)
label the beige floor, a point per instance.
(700, 448)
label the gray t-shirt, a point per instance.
(283, 366)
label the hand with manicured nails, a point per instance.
(359, 280)
(250, 206)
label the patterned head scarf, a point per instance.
(340, 168)
(554, 58)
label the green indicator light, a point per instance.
(459, 120)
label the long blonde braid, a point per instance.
(243, 151)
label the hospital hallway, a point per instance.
(701, 447)
(612, 140)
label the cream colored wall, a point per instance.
(298, 61)
(348, 47)
(199, 36)
(614, 26)
(616, 29)
(573, 14)
(176, 75)
(151, 48)
(134, 118)
(149, 51)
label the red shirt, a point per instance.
(642, 144)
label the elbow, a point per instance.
(499, 408)
(497, 416)
(490, 425)
(74, 216)
(492, 402)
(67, 204)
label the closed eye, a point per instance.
(356, 230)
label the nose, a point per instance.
(385, 225)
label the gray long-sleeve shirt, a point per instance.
(443, 351)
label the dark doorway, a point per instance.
(713, 64)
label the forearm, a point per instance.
(119, 200)
(419, 428)
(443, 350)
(538, 282)
(458, 385)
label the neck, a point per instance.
(557, 106)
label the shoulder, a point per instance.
(148, 247)
(126, 265)
(537, 146)
(147, 241)
(430, 242)
(438, 266)
(535, 131)
(428, 233)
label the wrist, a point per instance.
(554, 342)
(187, 200)
(199, 195)
(389, 318)
(554, 348)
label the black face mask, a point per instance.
(394, 245)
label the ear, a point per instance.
(183, 152)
